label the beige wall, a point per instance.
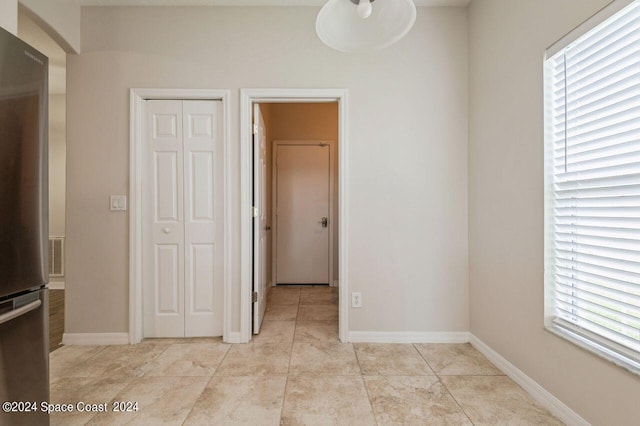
(9, 15)
(407, 153)
(57, 164)
(60, 18)
(507, 44)
(312, 121)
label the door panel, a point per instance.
(167, 279)
(163, 232)
(302, 246)
(260, 223)
(166, 177)
(202, 273)
(202, 180)
(182, 229)
(203, 218)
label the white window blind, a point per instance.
(592, 267)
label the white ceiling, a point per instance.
(315, 3)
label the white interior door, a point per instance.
(182, 229)
(260, 222)
(302, 212)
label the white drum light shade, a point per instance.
(339, 26)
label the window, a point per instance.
(592, 185)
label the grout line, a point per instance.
(197, 399)
(442, 384)
(425, 360)
(364, 383)
(286, 384)
(455, 400)
(230, 345)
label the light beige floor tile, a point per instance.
(316, 331)
(456, 359)
(383, 359)
(319, 288)
(281, 312)
(318, 313)
(413, 400)
(496, 400)
(324, 359)
(321, 297)
(275, 331)
(239, 401)
(287, 296)
(193, 359)
(65, 360)
(340, 400)
(256, 359)
(119, 361)
(160, 401)
(87, 390)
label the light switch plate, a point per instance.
(118, 203)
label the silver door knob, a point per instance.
(166, 230)
(324, 222)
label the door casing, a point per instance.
(274, 181)
(137, 97)
(247, 98)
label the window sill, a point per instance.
(630, 364)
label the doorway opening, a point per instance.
(295, 191)
(293, 182)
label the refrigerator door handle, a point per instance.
(20, 311)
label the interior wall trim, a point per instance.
(95, 339)
(409, 337)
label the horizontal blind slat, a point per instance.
(608, 333)
(578, 153)
(600, 277)
(600, 285)
(577, 286)
(623, 330)
(615, 315)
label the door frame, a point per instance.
(274, 194)
(247, 98)
(137, 98)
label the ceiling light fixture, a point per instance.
(364, 25)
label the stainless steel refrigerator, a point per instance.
(24, 329)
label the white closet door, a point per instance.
(203, 218)
(182, 233)
(163, 228)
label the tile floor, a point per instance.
(295, 372)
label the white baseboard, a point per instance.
(540, 394)
(95, 339)
(408, 337)
(336, 283)
(233, 337)
(56, 285)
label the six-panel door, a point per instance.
(182, 229)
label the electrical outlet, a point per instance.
(356, 300)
